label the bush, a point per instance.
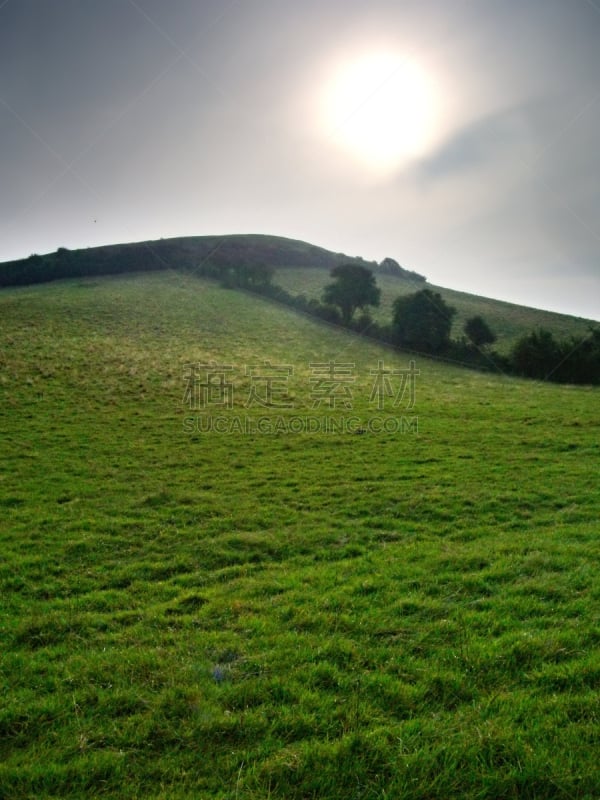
(422, 321)
(576, 360)
(479, 332)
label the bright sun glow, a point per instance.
(381, 108)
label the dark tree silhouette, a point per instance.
(479, 332)
(537, 354)
(422, 321)
(256, 277)
(575, 360)
(354, 287)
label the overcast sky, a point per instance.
(459, 137)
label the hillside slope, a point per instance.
(508, 320)
(287, 612)
(302, 268)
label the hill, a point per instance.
(179, 253)
(216, 583)
(301, 268)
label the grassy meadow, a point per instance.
(356, 614)
(508, 321)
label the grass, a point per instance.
(508, 321)
(305, 615)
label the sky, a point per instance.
(459, 137)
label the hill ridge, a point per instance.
(182, 252)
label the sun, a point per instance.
(380, 107)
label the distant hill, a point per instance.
(187, 252)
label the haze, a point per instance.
(459, 138)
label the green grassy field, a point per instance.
(291, 615)
(508, 321)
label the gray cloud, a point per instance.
(221, 137)
(480, 144)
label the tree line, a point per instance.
(422, 322)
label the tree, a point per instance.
(422, 321)
(479, 332)
(390, 266)
(354, 287)
(575, 360)
(256, 277)
(537, 354)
